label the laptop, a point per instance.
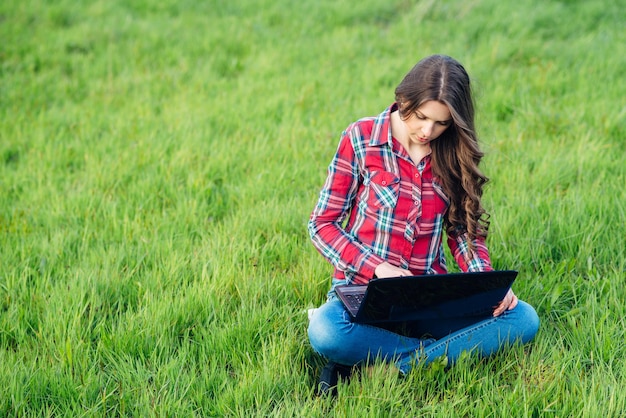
(432, 296)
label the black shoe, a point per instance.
(331, 373)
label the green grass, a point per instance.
(159, 161)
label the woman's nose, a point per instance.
(427, 129)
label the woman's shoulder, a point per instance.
(362, 129)
(362, 126)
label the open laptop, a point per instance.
(452, 295)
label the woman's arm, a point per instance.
(467, 259)
(333, 207)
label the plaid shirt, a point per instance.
(377, 205)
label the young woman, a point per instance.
(397, 181)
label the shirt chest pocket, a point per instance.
(383, 189)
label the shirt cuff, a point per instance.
(368, 264)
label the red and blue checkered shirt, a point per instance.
(377, 205)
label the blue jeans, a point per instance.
(333, 335)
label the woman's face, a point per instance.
(429, 121)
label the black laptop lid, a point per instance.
(434, 296)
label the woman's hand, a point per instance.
(389, 270)
(509, 302)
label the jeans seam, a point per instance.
(468, 331)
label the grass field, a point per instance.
(159, 161)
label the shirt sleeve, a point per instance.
(470, 261)
(335, 202)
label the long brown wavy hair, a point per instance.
(455, 154)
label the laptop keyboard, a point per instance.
(354, 301)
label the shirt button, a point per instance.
(384, 183)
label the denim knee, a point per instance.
(324, 330)
(528, 321)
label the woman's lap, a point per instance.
(335, 336)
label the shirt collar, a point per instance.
(381, 132)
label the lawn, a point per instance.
(159, 162)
